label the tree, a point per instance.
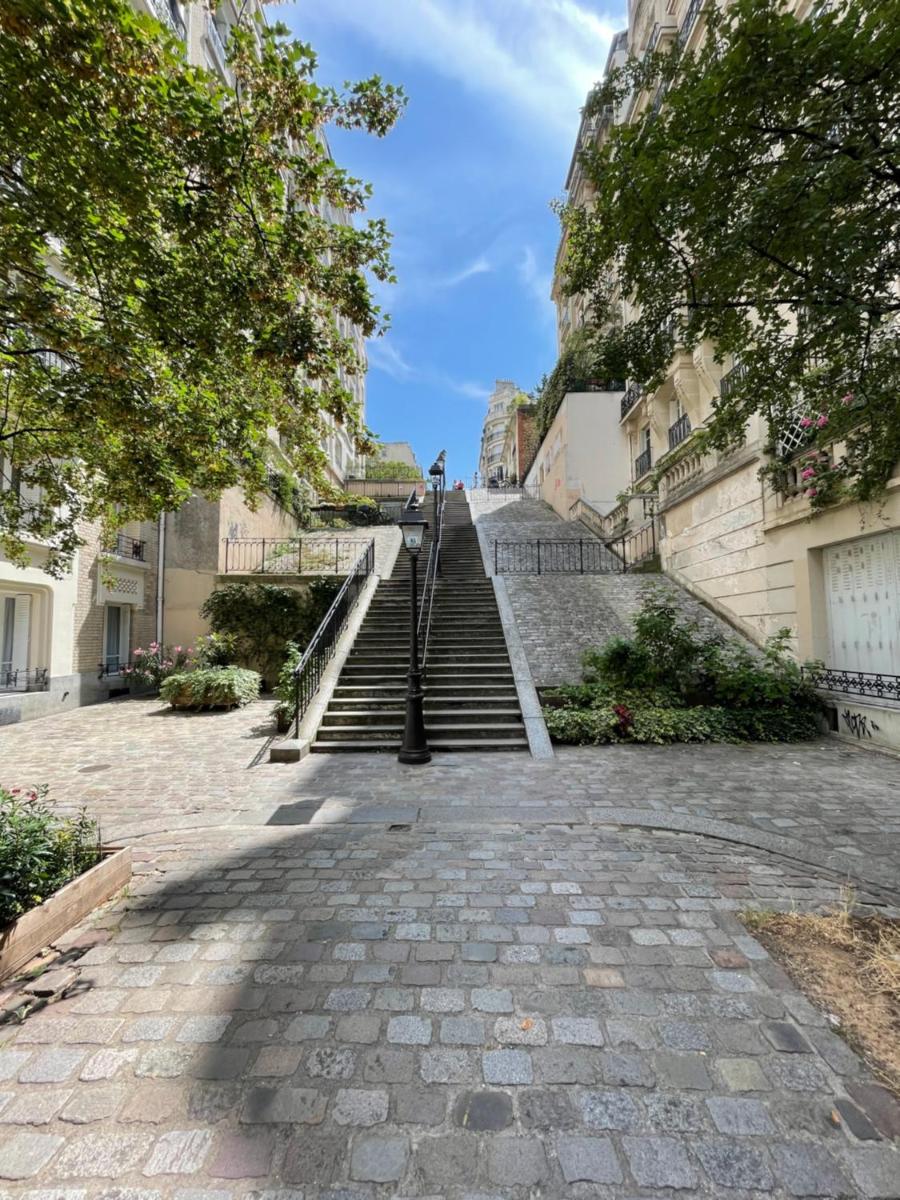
(389, 468)
(178, 273)
(757, 202)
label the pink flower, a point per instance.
(805, 422)
(809, 473)
(847, 399)
(137, 652)
(810, 492)
(822, 420)
(154, 645)
(14, 791)
(177, 649)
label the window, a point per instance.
(115, 638)
(15, 637)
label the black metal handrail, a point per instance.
(731, 379)
(128, 547)
(679, 430)
(320, 651)
(643, 463)
(433, 567)
(689, 21)
(22, 679)
(877, 684)
(292, 556)
(633, 393)
(584, 556)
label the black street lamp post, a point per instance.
(415, 746)
(438, 484)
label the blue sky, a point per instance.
(464, 181)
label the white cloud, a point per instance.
(537, 58)
(385, 357)
(537, 283)
(480, 266)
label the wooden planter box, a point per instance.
(34, 930)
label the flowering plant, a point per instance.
(151, 666)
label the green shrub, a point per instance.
(215, 650)
(286, 688)
(661, 726)
(40, 851)
(214, 687)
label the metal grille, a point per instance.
(292, 556)
(679, 431)
(854, 683)
(633, 393)
(642, 463)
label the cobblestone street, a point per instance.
(489, 977)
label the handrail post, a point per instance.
(227, 544)
(538, 556)
(496, 569)
(336, 557)
(262, 569)
(581, 554)
(299, 555)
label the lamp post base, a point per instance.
(414, 757)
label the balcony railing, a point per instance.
(690, 20)
(633, 393)
(878, 684)
(20, 679)
(292, 556)
(128, 547)
(217, 44)
(731, 379)
(642, 464)
(679, 431)
(169, 12)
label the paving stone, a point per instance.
(879, 1105)
(379, 1160)
(307, 1028)
(241, 1156)
(507, 1066)
(389, 1066)
(682, 1071)
(516, 1161)
(856, 1121)
(786, 1037)
(362, 1028)
(520, 1031)
(409, 1031)
(331, 1062)
(353, 1106)
(203, 1029)
(547, 1110)
(440, 1160)
(808, 1170)
(875, 1172)
(93, 1104)
(348, 999)
(732, 1164)
(153, 1103)
(446, 1066)
(564, 1066)
(659, 1162)
(588, 1160)
(577, 1031)
(684, 1035)
(24, 1154)
(419, 1105)
(442, 1000)
(52, 1066)
(303, 1106)
(315, 1158)
(669, 1112)
(609, 1110)
(37, 1106)
(104, 1154)
(742, 1075)
(179, 1152)
(483, 1112)
(739, 1117)
(462, 1031)
(492, 1000)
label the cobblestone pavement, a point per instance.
(354, 982)
(145, 769)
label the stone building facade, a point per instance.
(760, 557)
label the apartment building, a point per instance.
(64, 642)
(502, 400)
(759, 556)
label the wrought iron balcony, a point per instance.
(633, 393)
(642, 464)
(128, 547)
(679, 431)
(169, 12)
(731, 379)
(690, 20)
(217, 44)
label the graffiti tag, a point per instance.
(859, 724)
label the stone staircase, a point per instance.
(470, 695)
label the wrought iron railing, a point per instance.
(21, 679)
(433, 567)
(217, 42)
(320, 651)
(292, 556)
(690, 19)
(877, 684)
(643, 463)
(731, 379)
(679, 430)
(128, 547)
(584, 556)
(633, 393)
